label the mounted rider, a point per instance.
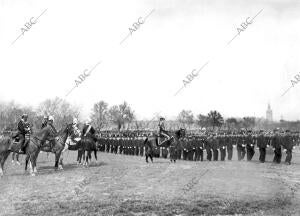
(45, 122)
(75, 137)
(89, 131)
(162, 133)
(24, 131)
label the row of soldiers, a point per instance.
(192, 147)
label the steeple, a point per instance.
(269, 113)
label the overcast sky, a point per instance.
(149, 67)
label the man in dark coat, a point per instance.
(23, 130)
(262, 145)
(208, 147)
(229, 141)
(215, 147)
(276, 143)
(240, 147)
(288, 144)
(222, 144)
(249, 146)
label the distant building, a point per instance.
(269, 114)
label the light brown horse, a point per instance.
(55, 148)
(33, 147)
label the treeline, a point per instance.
(122, 117)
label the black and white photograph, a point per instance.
(149, 107)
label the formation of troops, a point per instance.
(217, 146)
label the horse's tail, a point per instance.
(146, 140)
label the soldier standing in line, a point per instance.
(249, 146)
(288, 144)
(201, 141)
(222, 147)
(262, 145)
(215, 147)
(229, 143)
(276, 143)
(208, 147)
(196, 144)
(241, 147)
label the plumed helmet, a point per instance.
(75, 121)
(24, 115)
(50, 118)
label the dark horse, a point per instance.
(32, 149)
(152, 142)
(86, 143)
(89, 145)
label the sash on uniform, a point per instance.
(87, 130)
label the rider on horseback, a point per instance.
(162, 131)
(23, 131)
(52, 128)
(45, 122)
(75, 137)
(88, 130)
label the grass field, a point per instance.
(126, 185)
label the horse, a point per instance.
(32, 149)
(152, 142)
(89, 145)
(15, 156)
(55, 149)
(86, 143)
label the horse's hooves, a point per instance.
(32, 174)
(60, 168)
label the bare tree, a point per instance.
(121, 114)
(185, 118)
(100, 115)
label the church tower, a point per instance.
(269, 114)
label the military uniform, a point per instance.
(276, 143)
(288, 144)
(208, 148)
(215, 147)
(241, 151)
(229, 140)
(249, 146)
(261, 142)
(222, 143)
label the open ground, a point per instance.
(126, 185)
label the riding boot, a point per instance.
(22, 149)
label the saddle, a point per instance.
(73, 142)
(160, 140)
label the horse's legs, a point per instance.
(87, 158)
(95, 153)
(61, 158)
(78, 157)
(34, 161)
(57, 154)
(3, 158)
(1, 167)
(13, 157)
(26, 162)
(17, 157)
(147, 157)
(151, 157)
